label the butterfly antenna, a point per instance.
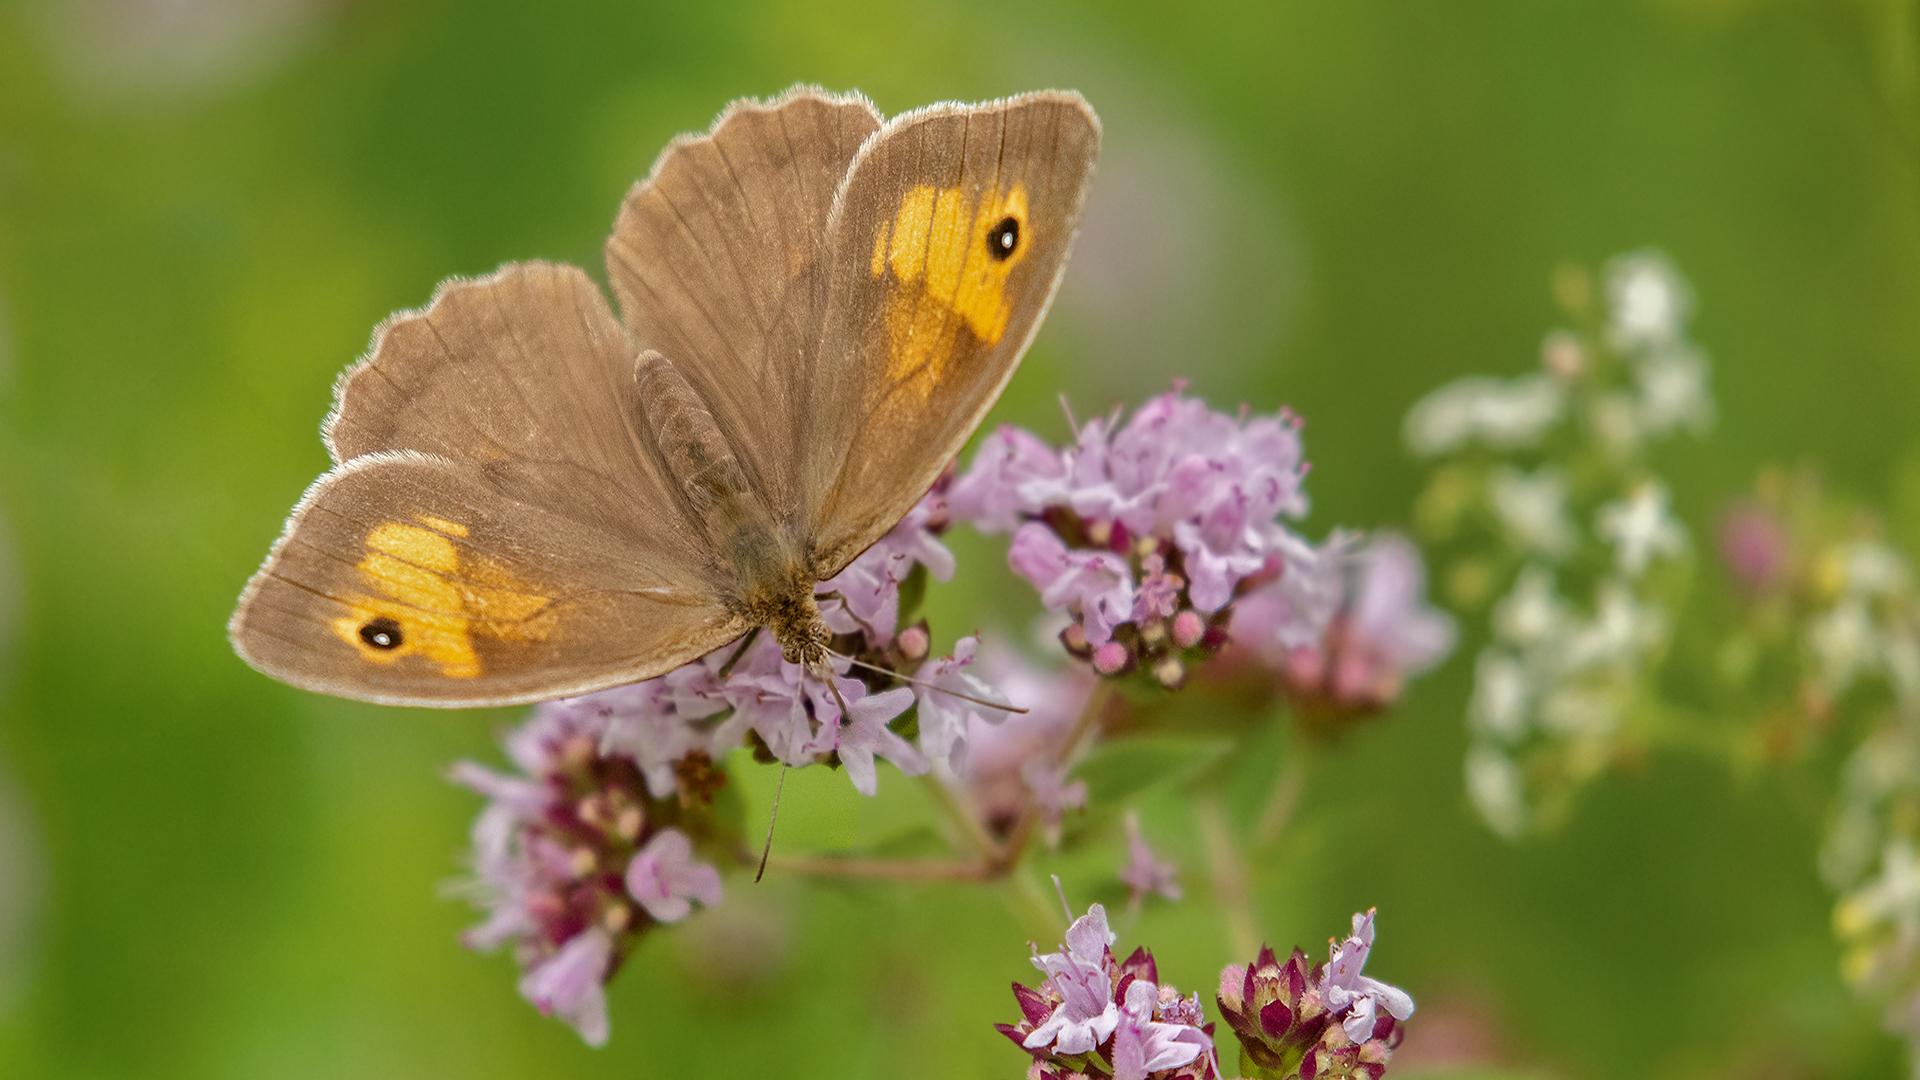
(928, 685)
(767, 848)
(1067, 407)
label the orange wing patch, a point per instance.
(433, 601)
(959, 252)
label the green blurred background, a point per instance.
(205, 206)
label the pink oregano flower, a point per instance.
(570, 984)
(1097, 1017)
(575, 859)
(1381, 630)
(1087, 1013)
(664, 877)
(866, 595)
(1145, 532)
(1298, 1018)
(1361, 996)
(945, 686)
(1142, 1045)
(1144, 871)
(1011, 758)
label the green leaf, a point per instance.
(1118, 771)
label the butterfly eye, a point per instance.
(1004, 238)
(381, 633)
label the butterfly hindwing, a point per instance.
(525, 375)
(407, 579)
(948, 238)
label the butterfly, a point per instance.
(532, 498)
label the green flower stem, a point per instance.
(964, 821)
(992, 860)
(885, 869)
(1284, 797)
(1036, 907)
(1091, 715)
(1229, 874)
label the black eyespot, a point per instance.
(1004, 238)
(381, 633)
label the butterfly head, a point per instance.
(783, 603)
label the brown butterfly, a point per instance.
(533, 499)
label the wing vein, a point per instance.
(719, 331)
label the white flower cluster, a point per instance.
(1557, 684)
(1869, 631)
(1554, 675)
(1663, 389)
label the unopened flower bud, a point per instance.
(1171, 673)
(577, 753)
(1755, 547)
(1111, 658)
(629, 822)
(1074, 637)
(913, 643)
(1188, 628)
(1562, 355)
(618, 918)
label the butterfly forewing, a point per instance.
(716, 259)
(948, 238)
(408, 579)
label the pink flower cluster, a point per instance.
(1145, 532)
(594, 842)
(865, 597)
(1014, 760)
(1379, 630)
(1316, 1020)
(1094, 1016)
(573, 861)
(698, 710)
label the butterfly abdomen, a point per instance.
(697, 455)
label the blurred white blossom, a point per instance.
(1640, 527)
(1493, 783)
(1533, 509)
(1575, 640)
(1674, 394)
(1648, 302)
(1500, 413)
